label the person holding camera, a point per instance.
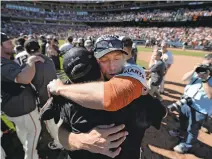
(53, 51)
(197, 103)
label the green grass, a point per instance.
(142, 49)
(61, 42)
(142, 63)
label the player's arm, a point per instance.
(208, 86)
(168, 66)
(100, 139)
(170, 61)
(28, 72)
(111, 96)
(151, 62)
(187, 77)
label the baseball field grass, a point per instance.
(142, 49)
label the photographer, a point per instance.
(198, 103)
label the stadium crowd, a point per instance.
(195, 38)
(97, 111)
(180, 14)
(80, 65)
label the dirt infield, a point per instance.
(158, 144)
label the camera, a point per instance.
(184, 100)
(203, 68)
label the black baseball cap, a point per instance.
(32, 46)
(127, 41)
(80, 65)
(4, 37)
(106, 44)
(20, 41)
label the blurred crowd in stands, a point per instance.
(194, 38)
(180, 14)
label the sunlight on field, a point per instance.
(142, 49)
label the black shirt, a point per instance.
(136, 117)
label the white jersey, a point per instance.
(168, 58)
(21, 58)
(65, 47)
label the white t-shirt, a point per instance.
(65, 47)
(168, 58)
(21, 58)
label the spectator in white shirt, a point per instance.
(67, 46)
(167, 57)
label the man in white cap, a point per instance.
(167, 57)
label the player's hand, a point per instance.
(145, 91)
(103, 138)
(33, 59)
(53, 86)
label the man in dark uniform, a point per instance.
(45, 72)
(18, 98)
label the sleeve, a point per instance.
(135, 72)
(210, 82)
(121, 91)
(155, 68)
(170, 59)
(10, 71)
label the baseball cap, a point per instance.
(4, 37)
(106, 44)
(31, 46)
(20, 41)
(127, 41)
(81, 66)
(88, 43)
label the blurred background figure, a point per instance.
(168, 59)
(66, 46)
(80, 42)
(43, 44)
(89, 45)
(19, 45)
(52, 50)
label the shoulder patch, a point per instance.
(136, 72)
